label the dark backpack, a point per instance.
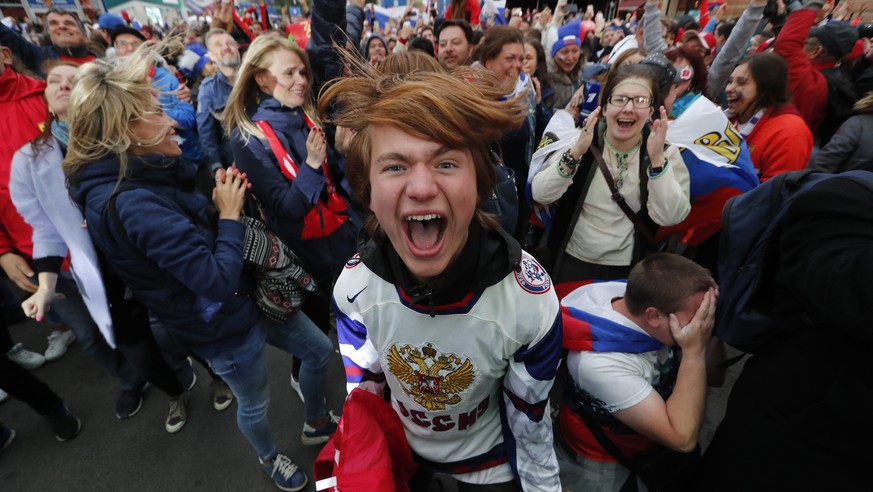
(840, 104)
(749, 255)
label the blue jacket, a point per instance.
(330, 21)
(285, 203)
(187, 273)
(214, 92)
(166, 84)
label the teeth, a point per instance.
(423, 217)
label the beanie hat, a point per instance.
(567, 35)
(587, 26)
(837, 38)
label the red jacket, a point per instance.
(806, 83)
(781, 142)
(473, 10)
(22, 118)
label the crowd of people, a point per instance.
(473, 199)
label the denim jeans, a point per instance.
(175, 354)
(299, 336)
(72, 312)
(244, 369)
(580, 474)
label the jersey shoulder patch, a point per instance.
(531, 276)
(353, 261)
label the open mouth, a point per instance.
(625, 123)
(424, 233)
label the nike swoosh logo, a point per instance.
(352, 298)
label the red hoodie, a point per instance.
(22, 118)
(808, 86)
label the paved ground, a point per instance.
(209, 453)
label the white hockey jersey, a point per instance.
(470, 380)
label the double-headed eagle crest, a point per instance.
(433, 381)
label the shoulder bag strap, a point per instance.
(286, 163)
(600, 436)
(619, 199)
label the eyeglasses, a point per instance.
(125, 44)
(640, 102)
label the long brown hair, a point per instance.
(245, 90)
(460, 109)
(494, 41)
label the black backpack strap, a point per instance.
(596, 429)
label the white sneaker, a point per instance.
(3, 396)
(25, 358)
(58, 342)
(177, 414)
(295, 384)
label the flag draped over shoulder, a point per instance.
(714, 152)
(719, 165)
(590, 325)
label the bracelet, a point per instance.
(656, 172)
(568, 160)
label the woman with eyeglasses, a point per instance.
(592, 237)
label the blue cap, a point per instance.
(110, 21)
(568, 34)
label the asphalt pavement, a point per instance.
(109, 454)
(209, 453)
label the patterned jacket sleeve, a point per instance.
(526, 388)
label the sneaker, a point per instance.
(295, 384)
(3, 396)
(222, 397)
(312, 436)
(130, 401)
(58, 342)
(7, 435)
(25, 358)
(190, 385)
(177, 415)
(65, 424)
(285, 474)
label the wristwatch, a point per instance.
(657, 170)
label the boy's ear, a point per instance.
(653, 317)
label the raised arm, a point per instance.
(654, 42)
(730, 53)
